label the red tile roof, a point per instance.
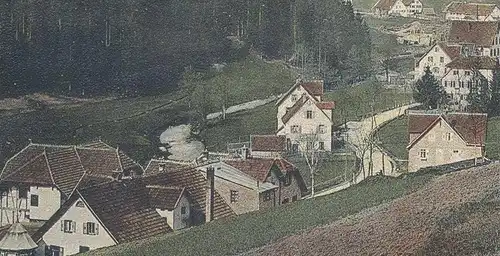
(314, 88)
(195, 184)
(257, 168)
(481, 33)
(66, 166)
(471, 127)
(162, 197)
(326, 105)
(473, 62)
(273, 143)
(384, 4)
(153, 166)
(471, 9)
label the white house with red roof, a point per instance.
(437, 139)
(472, 11)
(403, 8)
(301, 111)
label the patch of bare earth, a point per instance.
(403, 227)
(23, 102)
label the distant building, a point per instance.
(472, 11)
(475, 38)
(405, 8)
(36, 181)
(267, 146)
(464, 73)
(436, 59)
(302, 113)
(437, 139)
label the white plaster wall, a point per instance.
(288, 102)
(71, 242)
(440, 149)
(436, 53)
(49, 201)
(310, 125)
(175, 219)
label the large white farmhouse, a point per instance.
(302, 114)
(472, 11)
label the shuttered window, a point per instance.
(90, 228)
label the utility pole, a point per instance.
(370, 164)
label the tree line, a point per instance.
(128, 47)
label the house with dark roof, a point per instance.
(103, 215)
(464, 73)
(173, 204)
(444, 138)
(250, 184)
(302, 113)
(475, 38)
(472, 11)
(405, 8)
(36, 181)
(206, 203)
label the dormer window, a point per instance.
(294, 97)
(309, 114)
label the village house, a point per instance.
(173, 204)
(464, 73)
(100, 216)
(302, 113)
(437, 139)
(36, 181)
(436, 59)
(251, 184)
(472, 11)
(206, 203)
(405, 8)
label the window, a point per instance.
(309, 114)
(321, 145)
(441, 59)
(288, 179)
(467, 73)
(436, 49)
(294, 198)
(445, 83)
(80, 204)
(455, 72)
(452, 83)
(309, 145)
(430, 59)
(34, 200)
(285, 201)
(469, 84)
(423, 154)
(294, 97)
(183, 210)
(90, 228)
(455, 151)
(462, 84)
(68, 226)
(267, 196)
(448, 136)
(435, 70)
(234, 196)
(84, 249)
(295, 129)
(321, 128)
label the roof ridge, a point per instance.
(83, 169)
(179, 198)
(119, 159)
(131, 159)
(50, 170)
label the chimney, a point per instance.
(209, 206)
(161, 167)
(244, 152)
(204, 155)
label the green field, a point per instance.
(240, 234)
(394, 138)
(134, 124)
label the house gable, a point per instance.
(439, 121)
(78, 212)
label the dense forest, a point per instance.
(127, 47)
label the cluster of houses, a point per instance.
(469, 55)
(68, 199)
(62, 200)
